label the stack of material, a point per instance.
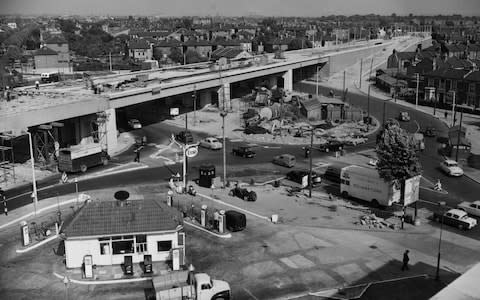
(372, 221)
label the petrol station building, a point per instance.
(113, 232)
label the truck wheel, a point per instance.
(375, 203)
(437, 219)
(327, 150)
(83, 168)
(461, 227)
(345, 194)
(245, 198)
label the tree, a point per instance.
(176, 55)
(397, 159)
(192, 57)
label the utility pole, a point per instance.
(110, 59)
(368, 106)
(459, 133)
(453, 109)
(223, 114)
(310, 181)
(185, 158)
(194, 96)
(344, 81)
(416, 94)
(361, 65)
(371, 66)
(316, 90)
(34, 181)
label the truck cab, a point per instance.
(209, 289)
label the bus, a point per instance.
(81, 157)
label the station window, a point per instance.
(141, 243)
(163, 246)
(104, 248)
(122, 247)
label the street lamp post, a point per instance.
(437, 274)
(66, 281)
(459, 132)
(34, 181)
(360, 79)
(453, 109)
(368, 106)
(318, 72)
(416, 94)
(76, 191)
(310, 181)
(223, 114)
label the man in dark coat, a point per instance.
(405, 260)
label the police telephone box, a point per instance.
(207, 175)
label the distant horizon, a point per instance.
(239, 8)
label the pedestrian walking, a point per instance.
(446, 114)
(137, 155)
(405, 260)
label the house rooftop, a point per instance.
(106, 218)
(45, 51)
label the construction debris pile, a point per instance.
(372, 221)
(291, 117)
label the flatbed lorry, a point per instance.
(185, 285)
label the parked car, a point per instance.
(211, 143)
(184, 137)
(450, 167)
(255, 130)
(298, 175)
(235, 221)
(134, 124)
(472, 208)
(430, 131)
(244, 151)
(331, 146)
(455, 217)
(404, 116)
(286, 160)
(243, 194)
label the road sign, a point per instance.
(174, 111)
(191, 151)
(64, 177)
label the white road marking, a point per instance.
(250, 293)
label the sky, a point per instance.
(306, 8)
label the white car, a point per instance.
(134, 123)
(211, 143)
(450, 167)
(472, 208)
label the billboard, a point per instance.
(412, 190)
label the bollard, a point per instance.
(203, 215)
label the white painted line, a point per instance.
(116, 168)
(236, 207)
(37, 244)
(223, 236)
(18, 220)
(236, 140)
(250, 293)
(117, 172)
(97, 282)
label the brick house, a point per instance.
(140, 50)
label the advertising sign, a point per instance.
(176, 259)
(304, 181)
(412, 189)
(191, 151)
(88, 263)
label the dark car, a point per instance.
(297, 176)
(184, 137)
(430, 131)
(244, 151)
(332, 173)
(331, 146)
(235, 221)
(243, 194)
(255, 130)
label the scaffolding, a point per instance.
(7, 164)
(99, 130)
(45, 144)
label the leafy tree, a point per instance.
(299, 43)
(397, 159)
(176, 55)
(192, 57)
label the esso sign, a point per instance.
(191, 151)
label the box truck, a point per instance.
(365, 183)
(183, 285)
(81, 157)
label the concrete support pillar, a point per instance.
(288, 80)
(205, 98)
(108, 131)
(224, 96)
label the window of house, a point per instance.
(435, 81)
(141, 243)
(163, 246)
(104, 248)
(448, 84)
(454, 85)
(471, 87)
(122, 247)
